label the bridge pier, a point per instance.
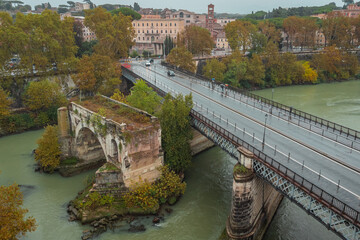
(254, 202)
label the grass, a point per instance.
(240, 169)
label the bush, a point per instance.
(95, 200)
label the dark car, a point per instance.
(151, 60)
(170, 73)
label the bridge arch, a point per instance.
(88, 146)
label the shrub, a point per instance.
(48, 152)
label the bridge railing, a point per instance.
(322, 196)
(289, 110)
(319, 194)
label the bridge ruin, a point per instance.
(126, 140)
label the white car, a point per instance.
(147, 64)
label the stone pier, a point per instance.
(254, 201)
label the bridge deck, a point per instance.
(310, 153)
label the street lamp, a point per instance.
(263, 142)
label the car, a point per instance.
(147, 64)
(151, 60)
(170, 73)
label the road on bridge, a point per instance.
(330, 165)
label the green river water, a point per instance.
(202, 211)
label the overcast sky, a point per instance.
(200, 6)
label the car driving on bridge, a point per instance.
(170, 73)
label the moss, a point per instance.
(108, 167)
(240, 169)
(69, 161)
(172, 200)
(127, 137)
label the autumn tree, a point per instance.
(181, 58)
(43, 40)
(310, 74)
(97, 73)
(114, 32)
(291, 27)
(119, 96)
(255, 72)
(42, 95)
(176, 131)
(197, 40)
(337, 30)
(332, 64)
(5, 103)
(270, 31)
(13, 223)
(144, 97)
(214, 69)
(48, 152)
(239, 34)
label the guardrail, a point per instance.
(291, 111)
(319, 194)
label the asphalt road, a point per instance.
(330, 165)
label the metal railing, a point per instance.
(319, 194)
(290, 111)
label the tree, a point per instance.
(337, 30)
(269, 29)
(97, 73)
(13, 223)
(258, 42)
(197, 40)
(40, 96)
(136, 6)
(255, 72)
(214, 69)
(48, 152)
(114, 33)
(239, 34)
(4, 103)
(42, 40)
(169, 44)
(310, 75)
(134, 54)
(146, 54)
(181, 58)
(144, 97)
(126, 12)
(176, 131)
(71, 4)
(347, 2)
(119, 96)
(86, 48)
(291, 28)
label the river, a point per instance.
(202, 211)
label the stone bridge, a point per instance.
(127, 150)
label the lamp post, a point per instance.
(263, 142)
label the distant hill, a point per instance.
(229, 15)
(296, 11)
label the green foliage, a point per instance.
(169, 44)
(134, 54)
(240, 169)
(126, 12)
(148, 196)
(95, 200)
(214, 69)
(197, 40)
(176, 131)
(144, 97)
(48, 152)
(96, 121)
(4, 103)
(86, 48)
(258, 15)
(146, 54)
(182, 58)
(43, 95)
(109, 167)
(301, 11)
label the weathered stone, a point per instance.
(87, 234)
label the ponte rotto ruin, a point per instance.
(125, 139)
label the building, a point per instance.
(151, 33)
(81, 6)
(210, 19)
(87, 34)
(190, 18)
(222, 42)
(223, 21)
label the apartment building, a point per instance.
(81, 6)
(151, 33)
(222, 42)
(189, 17)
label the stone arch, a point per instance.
(88, 146)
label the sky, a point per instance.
(200, 6)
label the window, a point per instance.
(147, 24)
(170, 31)
(152, 24)
(165, 31)
(139, 38)
(133, 24)
(152, 31)
(188, 16)
(147, 31)
(160, 24)
(148, 38)
(143, 31)
(157, 31)
(143, 24)
(175, 24)
(187, 21)
(161, 31)
(157, 24)
(138, 24)
(170, 25)
(143, 38)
